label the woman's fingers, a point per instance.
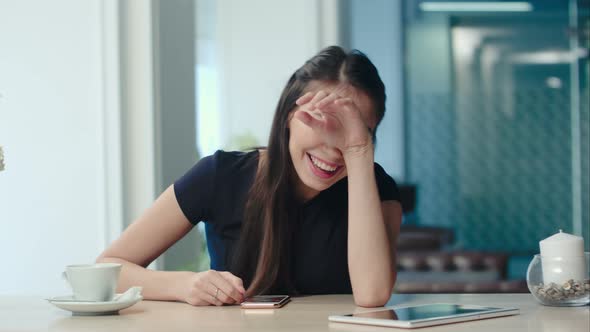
(227, 292)
(305, 117)
(317, 98)
(327, 100)
(320, 101)
(343, 101)
(304, 99)
(209, 298)
(338, 103)
(211, 288)
(236, 281)
(201, 290)
(311, 98)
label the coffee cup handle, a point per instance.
(64, 276)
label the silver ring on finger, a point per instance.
(216, 293)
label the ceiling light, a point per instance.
(457, 6)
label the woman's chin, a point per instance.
(317, 185)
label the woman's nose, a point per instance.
(333, 153)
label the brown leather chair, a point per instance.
(424, 238)
(454, 272)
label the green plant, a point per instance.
(241, 142)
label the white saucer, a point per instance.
(92, 308)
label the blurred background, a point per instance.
(103, 104)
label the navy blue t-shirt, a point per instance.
(215, 191)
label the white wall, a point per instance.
(260, 44)
(52, 191)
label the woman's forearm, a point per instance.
(157, 285)
(369, 253)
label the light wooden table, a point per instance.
(303, 314)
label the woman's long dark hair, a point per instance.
(262, 255)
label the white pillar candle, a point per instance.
(562, 258)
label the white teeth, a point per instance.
(322, 165)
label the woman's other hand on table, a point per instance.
(213, 288)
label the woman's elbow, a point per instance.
(374, 298)
(377, 299)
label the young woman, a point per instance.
(310, 214)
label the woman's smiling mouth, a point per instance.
(321, 168)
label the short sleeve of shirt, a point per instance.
(195, 190)
(387, 187)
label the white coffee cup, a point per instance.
(93, 282)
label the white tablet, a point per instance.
(423, 315)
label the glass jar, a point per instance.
(560, 281)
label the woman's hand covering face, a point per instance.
(337, 119)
